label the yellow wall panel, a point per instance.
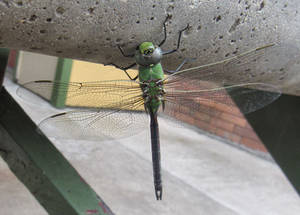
(86, 71)
(83, 71)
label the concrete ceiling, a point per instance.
(91, 30)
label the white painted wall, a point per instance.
(32, 67)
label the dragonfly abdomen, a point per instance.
(155, 146)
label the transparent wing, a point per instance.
(245, 65)
(123, 97)
(105, 94)
(201, 89)
(95, 124)
(244, 98)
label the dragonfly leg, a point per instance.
(181, 65)
(124, 69)
(165, 31)
(125, 55)
(178, 41)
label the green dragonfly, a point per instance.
(122, 101)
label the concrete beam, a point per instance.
(91, 30)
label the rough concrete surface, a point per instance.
(201, 175)
(91, 30)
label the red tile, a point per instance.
(246, 132)
(237, 120)
(253, 144)
(219, 123)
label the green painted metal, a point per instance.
(3, 62)
(4, 52)
(278, 126)
(63, 72)
(14, 69)
(41, 167)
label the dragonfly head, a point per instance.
(147, 54)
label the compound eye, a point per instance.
(148, 51)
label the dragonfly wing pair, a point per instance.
(120, 114)
(244, 98)
(203, 88)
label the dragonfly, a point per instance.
(127, 105)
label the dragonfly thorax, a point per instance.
(148, 54)
(153, 94)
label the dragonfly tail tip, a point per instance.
(158, 193)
